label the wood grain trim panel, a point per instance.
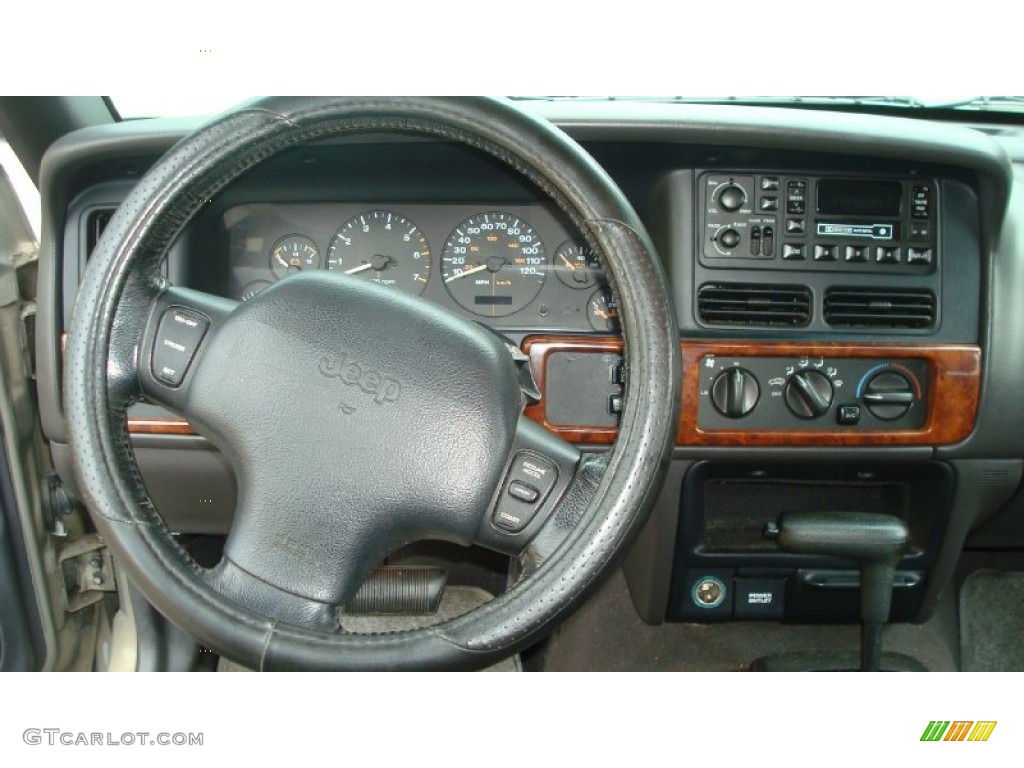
(539, 348)
(168, 426)
(954, 386)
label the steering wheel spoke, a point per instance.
(181, 328)
(539, 470)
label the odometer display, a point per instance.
(494, 264)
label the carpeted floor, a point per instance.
(992, 621)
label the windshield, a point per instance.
(182, 105)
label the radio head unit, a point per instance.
(808, 222)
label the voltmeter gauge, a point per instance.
(294, 253)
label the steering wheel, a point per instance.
(409, 425)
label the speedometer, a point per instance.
(494, 264)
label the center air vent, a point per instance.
(879, 307)
(752, 304)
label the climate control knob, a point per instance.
(735, 392)
(808, 394)
(732, 198)
(888, 395)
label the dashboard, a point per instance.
(845, 287)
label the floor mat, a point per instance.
(992, 622)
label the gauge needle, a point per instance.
(568, 263)
(467, 272)
(360, 268)
(284, 263)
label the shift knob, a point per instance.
(876, 542)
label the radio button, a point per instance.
(792, 252)
(732, 198)
(795, 206)
(769, 242)
(856, 253)
(921, 203)
(919, 255)
(824, 253)
(920, 231)
(769, 183)
(795, 227)
(885, 255)
(769, 203)
(729, 238)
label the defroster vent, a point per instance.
(753, 304)
(851, 307)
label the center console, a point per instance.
(818, 308)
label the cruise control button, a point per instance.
(175, 344)
(523, 492)
(530, 479)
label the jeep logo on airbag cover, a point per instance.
(384, 388)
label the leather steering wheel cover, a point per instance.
(123, 275)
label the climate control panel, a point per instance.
(812, 392)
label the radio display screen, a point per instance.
(847, 197)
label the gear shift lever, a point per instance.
(876, 542)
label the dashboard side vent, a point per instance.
(752, 304)
(95, 223)
(879, 307)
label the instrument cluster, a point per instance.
(514, 267)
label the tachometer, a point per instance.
(494, 264)
(384, 247)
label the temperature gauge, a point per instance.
(603, 311)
